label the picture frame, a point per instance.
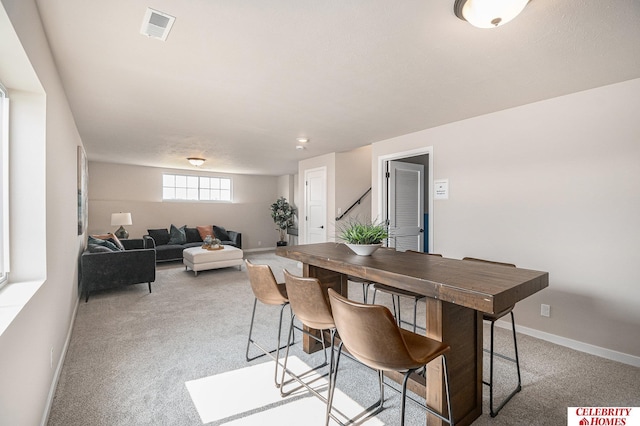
(83, 204)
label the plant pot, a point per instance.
(281, 243)
(364, 249)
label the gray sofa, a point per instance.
(102, 269)
(169, 243)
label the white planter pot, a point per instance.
(363, 249)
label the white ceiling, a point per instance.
(237, 81)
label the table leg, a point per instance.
(461, 329)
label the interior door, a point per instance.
(405, 206)
(316, 205)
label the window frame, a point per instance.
(4, 187)
(192, 188)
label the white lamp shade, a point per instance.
(491, 13)
(119, 219)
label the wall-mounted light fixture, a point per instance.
(195, 161)
(488, 13)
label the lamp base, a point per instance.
(121, 233)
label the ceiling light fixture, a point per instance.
(488, 13)
(195, 161)
(299, 147)
(303, 140)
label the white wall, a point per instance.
(353, 178)
(44, 240)
(348, 177)
(111, 191)
(552, 186)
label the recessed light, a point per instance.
(299, 147)
(303, 140)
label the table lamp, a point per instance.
(120, 219)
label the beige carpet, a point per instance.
(176, 357)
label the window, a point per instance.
(4, 186)
(195, 188)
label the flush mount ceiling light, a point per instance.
(303, 140)
(195, 161)
(488, 13)
(299, 147)
(156, 24)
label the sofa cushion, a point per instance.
(221, 233)
(110, 237)
(205, 230)
(160, 236)
(177, 235)
(193, 236)
(105, 243)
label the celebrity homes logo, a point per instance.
(603, 416)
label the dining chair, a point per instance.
(397, 293)
(269, 292)
(372, 336)
(492, 318)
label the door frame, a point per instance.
(305, 230)
(382, 187)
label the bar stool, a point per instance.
(309, 304)
(365, 285)
(372, 336)
(492, 318)
(395, 297)
(269, 292)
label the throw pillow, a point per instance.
(193, 236)
(177, 235)
(160, 236)
(110, 237)
(205, 230)
(104, 243)
(95, 248)
(221, 233)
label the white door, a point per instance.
(315, 189)
(405, 215)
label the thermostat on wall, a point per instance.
(441, 189)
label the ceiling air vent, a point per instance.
(156, 24)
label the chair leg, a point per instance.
(149, 286)
(371, 411)
(298, 378)
(276, 358)
(494, 411)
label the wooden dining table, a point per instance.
(457, 293)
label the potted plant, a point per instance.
(282, 213)
(363, 237)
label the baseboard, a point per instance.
(253, 250)
(56, 376)
(574, 344)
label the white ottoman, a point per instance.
(199, 259)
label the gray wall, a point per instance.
(37, 307)
(552, 186)
(111, 191)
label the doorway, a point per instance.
(315, 201)
(388, 198)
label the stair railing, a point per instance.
(353, 205)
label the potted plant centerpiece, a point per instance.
(282, 213)
(363, 237)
